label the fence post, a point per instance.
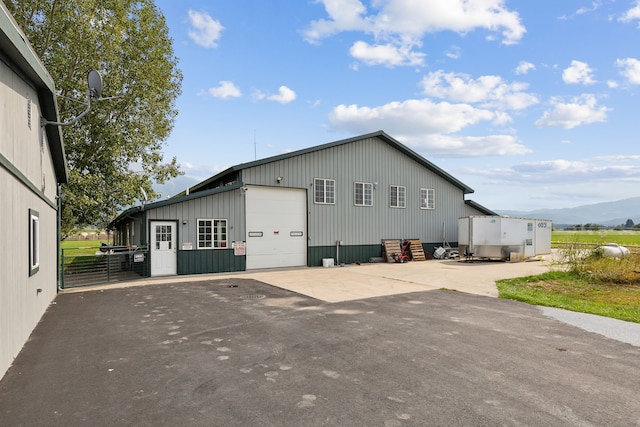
(108, 255)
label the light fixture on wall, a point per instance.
(279, 179)
(185, 222)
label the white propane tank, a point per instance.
(613, 250)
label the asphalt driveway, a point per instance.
(240, 352)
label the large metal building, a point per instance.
(32, 163)
(338, 200)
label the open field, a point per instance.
(599, 237)
(80, 247)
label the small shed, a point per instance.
(503, 237)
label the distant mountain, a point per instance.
(174, 186)
(607, 213)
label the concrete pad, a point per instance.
(354, 282)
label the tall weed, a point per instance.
(595, 265)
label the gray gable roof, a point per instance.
(16, 51)
(207, 184)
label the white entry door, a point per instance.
(163, 248)
(276, 227)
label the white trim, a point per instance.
(324, 191)
(428, 201)
(401, 197)
(223, 244)
(34, 242)
(367, 189)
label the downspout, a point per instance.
(58, 238)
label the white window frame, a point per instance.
(34, 242)
(397, 196)
(327, 197)
(218, 234)
(427, 198)
(367, 190)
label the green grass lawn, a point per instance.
(575, 292)
(80, 247)
(585, 281)
(621, 237)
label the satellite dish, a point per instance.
(95, 84)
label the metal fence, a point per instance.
(102, 264)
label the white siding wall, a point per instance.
(21, 305)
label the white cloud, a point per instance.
(489, 91)
(465, 146)
(284, 96)
(225, 90)
(453, 52)
(631, 14)
(427, 126)
(413, 18)
(403, 23)
(204, 31)
(619, 158)
(630, 69)
(413, 116)
(579, 111)
(564, 171)
(345, 15)
(386, 54)
(524, 67)
(578, 73)
(594, 6)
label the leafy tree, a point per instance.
(629, 223)
(127, 41)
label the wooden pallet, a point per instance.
(391, 247)
(417, 251)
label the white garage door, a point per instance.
(276, 227)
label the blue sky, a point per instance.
(533, 104)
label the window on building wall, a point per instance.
(427, 198)
(363, 194)
(34, 242)
(324, 191)
(212, 233)
(397, 196)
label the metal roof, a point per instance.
(379, 134)
(176, 199)
(479, 207)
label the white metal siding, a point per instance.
(23, 298)
(276, 227)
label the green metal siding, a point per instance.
(359, 253)
(209, 261)
(347, 255)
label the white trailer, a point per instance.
(503, 237)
